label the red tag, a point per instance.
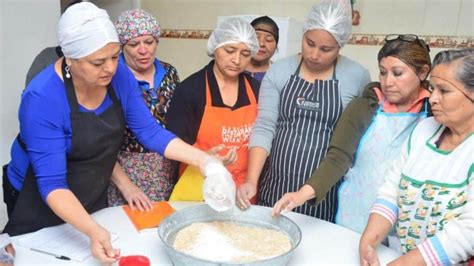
(135, 260)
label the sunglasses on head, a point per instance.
(407, 38)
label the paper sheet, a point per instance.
(61, 240)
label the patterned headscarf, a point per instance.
(135, 23)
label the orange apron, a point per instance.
(219, 125)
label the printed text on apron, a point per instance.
(307, 117)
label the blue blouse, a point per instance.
(45, 127)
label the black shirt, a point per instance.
(189, 99)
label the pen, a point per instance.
(61, 257)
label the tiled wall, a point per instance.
(186, 25)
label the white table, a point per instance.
(322, 242)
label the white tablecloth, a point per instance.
(322, 242)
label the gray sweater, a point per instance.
(352, 79)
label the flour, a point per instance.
(213, 245)
(231, 242)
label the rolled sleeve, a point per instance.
(433, 252)
(387, 209)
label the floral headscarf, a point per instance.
(135, 23)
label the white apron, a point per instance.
(378, 148)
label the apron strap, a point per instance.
(334, 70)
(297, 71)
(250, 94)
(71, 94)
(208, 91)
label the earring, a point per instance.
(68, 75)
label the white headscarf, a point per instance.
(232, 31)
(83, 29)
(333, 16)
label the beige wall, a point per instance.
(438, 21)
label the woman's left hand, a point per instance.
(229, 158)
(136, 198)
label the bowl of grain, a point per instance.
(198, 235)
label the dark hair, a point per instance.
(411, 53)
(267, 21)
(465, 67)
(71, 3)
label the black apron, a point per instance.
(307, 116)
(95, 143)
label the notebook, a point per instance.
(153, 218)
(63, 241)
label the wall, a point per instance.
(443, 23)
(21, 38)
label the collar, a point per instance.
(392, 108)
(159, 73)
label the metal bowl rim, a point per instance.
(229, 263)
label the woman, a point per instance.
(139, 34)
(429, 192)
(72, 121)
(300, 102)
(215, 108)
(267, 35)
(370, 132)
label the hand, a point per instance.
(368, 255)
(245, 192)
(10, 249)
(7, 255)
(136, 198)
(219, 187)
(288, 202)
(101, 246)
(229, 158)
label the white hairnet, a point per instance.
(333, 16)
(232, 31)
(83, 29)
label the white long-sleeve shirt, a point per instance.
(429, 196)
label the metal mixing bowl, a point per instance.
(254, 216)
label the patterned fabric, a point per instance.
(433, 192)
(151, 172)
(159, 109)
(135, 23)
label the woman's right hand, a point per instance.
(368, 255)
(288, 202)
(245, 192)
(101, 246)
(291, 200)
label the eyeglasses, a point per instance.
(407, 38)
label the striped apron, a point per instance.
(307, 117)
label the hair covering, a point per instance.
(83, 29)
(135, 23)
(412, 53)
(267, 21)
(333, 16)
(232, 31)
